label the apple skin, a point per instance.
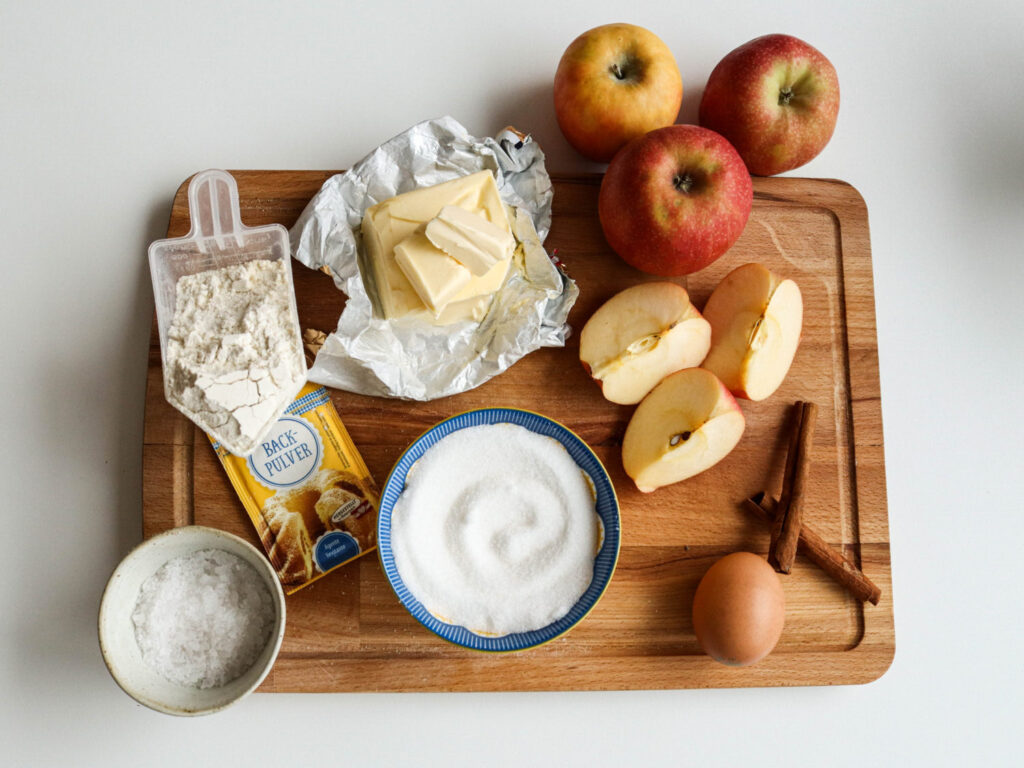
(675, 200)
(615, 83)
(776, 98)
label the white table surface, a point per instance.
(105, 107)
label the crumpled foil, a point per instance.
(415, 360)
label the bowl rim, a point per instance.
(265, 569)
(611, 534)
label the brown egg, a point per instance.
(739, 609)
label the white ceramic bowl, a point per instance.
(117, 632)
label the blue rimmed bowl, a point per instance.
(607, 510)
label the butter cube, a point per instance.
(436, 277)
(391, 221)
(468, 309)
(470, 239)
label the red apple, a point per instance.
(674, 200)
(776, 99)
(613, 84)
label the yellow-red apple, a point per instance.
(614, 83)
(756, 317)
(687, 424)
(639, 336)
(776, 98)
(675, 200)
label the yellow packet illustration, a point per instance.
(307, 491)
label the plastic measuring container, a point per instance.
(217, 239)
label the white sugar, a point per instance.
(202, 619)
(496, 530)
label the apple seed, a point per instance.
(648, 342)
(679, 437)
(636, 348)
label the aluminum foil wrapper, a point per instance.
(415, 360)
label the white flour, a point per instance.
(234, 353)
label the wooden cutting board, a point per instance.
(348, 632)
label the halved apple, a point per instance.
(688, 423)
(639, 336)
(756, 317)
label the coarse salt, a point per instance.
(496, 530)
(203, 619)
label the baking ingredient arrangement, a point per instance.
(495, 528)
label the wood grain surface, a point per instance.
(348, 632)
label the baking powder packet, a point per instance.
(307, 491)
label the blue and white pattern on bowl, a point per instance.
(607, 507)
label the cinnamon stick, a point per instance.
(786, 528)
(819, 552)
(787, 481)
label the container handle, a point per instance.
(214, 210)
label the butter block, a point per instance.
(470, 239)
(391, 221)
(435, 276)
